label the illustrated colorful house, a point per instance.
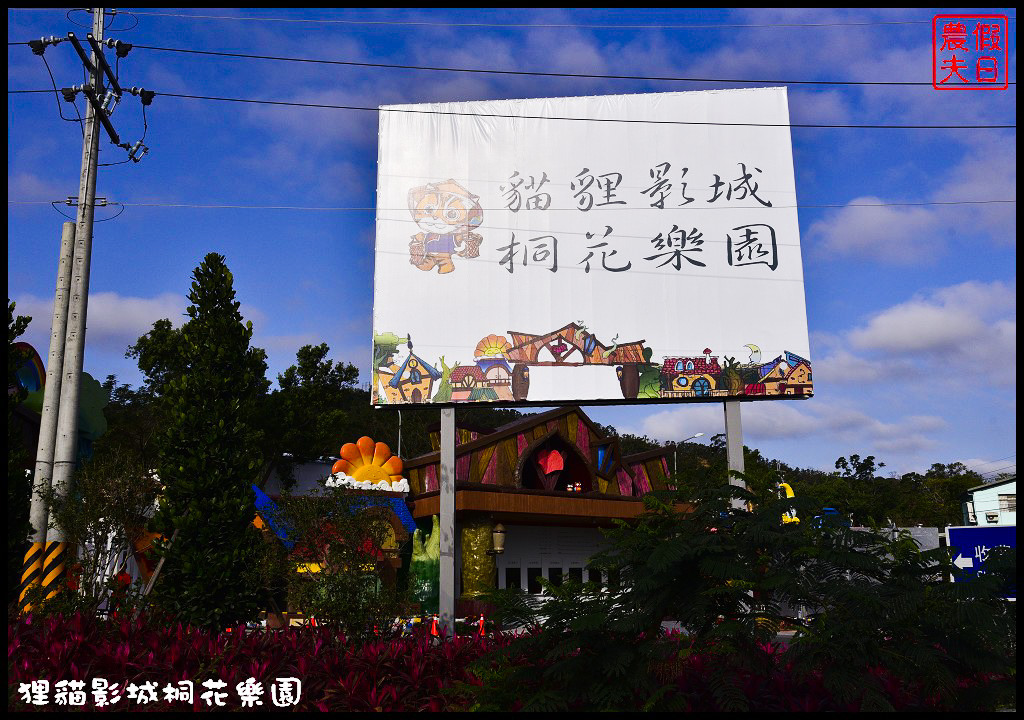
(788, 374)
(552, 479)
(469, 383)
(691, 377)
(412, 381)
(496, 370)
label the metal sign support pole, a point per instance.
(734, 446)
(446, 606)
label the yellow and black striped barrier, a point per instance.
(54, 558)
(31, 573)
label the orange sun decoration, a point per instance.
(365, 460)
(493, 346)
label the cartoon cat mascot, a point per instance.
(446, 213)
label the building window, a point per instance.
(1008, 503)
(576, 574)
(594, 576)
(555, 576)
(533, 580)
(513, 578)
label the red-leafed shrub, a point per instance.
(406, 673)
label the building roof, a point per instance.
(989, 486)
(701, 365)
(459, 374)
(486, 363)
(420, 362)
(524, 423)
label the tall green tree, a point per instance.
(209, 382)
(308, 415)
(19, 481)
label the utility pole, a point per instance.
(57, 450)
(66, 450)
(32, 567)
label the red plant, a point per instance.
(407, 674)
(401, 674)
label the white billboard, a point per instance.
(614, 248)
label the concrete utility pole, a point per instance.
(734, 447)
(66, 451)
(446, 598)
(32, 567)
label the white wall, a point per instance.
(546, 548)
(986, 501)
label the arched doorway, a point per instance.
(555, 465)
(701, 387)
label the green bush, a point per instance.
(885, 619)
(349, 537)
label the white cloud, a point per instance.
(915, 235)
(27, 186)
(815, 418)
(896, 234)
(921, 339)
(113, 321)
(841, 366)
(820, 107)
(970, 320)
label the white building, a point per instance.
(991, 504)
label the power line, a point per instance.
(992, 462)
(327, 106)
(993, 473)
(369, 209)
(527, 73)
(679, 26)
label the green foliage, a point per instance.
(306, 417)
(725, 576)
(19, 460)
(444, 387)
(425, 567)
(103, 514)
(134, 423)
(650, 376)
(208, 381)
(349, 537)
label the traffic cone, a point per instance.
(433, 627)
(481, 625)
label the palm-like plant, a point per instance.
(887, 629)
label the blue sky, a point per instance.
(911, 308)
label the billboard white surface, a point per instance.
(639, 248)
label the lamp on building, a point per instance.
(675, 452)
(497, 540)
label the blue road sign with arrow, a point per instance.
(972, 544)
